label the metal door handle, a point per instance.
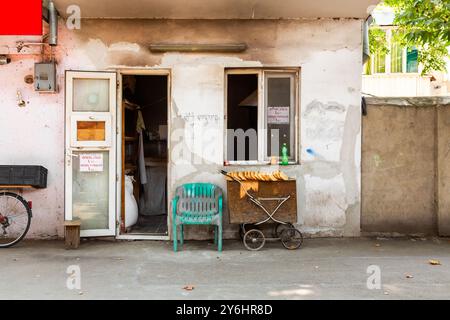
(70, 154)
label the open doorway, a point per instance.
(144, 155)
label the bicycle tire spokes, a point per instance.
(15, 216)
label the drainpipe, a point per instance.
(365, 57)
(366, 50)
(53, 24)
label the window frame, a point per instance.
(388, 57)
(261, 72)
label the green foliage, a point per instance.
(377, 41)
(424, 24)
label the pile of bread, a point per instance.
(259, 176)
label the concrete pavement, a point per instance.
(321, 269)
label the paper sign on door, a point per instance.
(278, 115)
(91, 162)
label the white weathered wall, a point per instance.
(397, 85)
(328, 52)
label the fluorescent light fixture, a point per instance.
(194, 47)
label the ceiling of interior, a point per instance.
(219, 9)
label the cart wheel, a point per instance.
(291, 238)
(254, 240)
(279, 227)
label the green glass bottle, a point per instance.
(284, 155)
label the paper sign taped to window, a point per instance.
(278, 115)
(91, 162)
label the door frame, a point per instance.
(141, 72)
(68, 147)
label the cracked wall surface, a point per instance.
(328, 53)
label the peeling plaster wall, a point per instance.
(328, 51)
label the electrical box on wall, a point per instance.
(45, 77)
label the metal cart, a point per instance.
(253, 203)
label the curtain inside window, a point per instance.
(412, 64)
(379, 63)
(396, 56)
(367, 66)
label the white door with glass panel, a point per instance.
(90, 151)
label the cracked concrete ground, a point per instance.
(321, 269)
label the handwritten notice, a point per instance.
(278, 115)
(91, 162)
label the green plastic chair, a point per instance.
(197, 204)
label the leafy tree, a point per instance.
(424, 24)
(377, 41)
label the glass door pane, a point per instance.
(280, 114)
(91, 95)
(90, 189)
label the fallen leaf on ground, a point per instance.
(188, 288)
(434, 262)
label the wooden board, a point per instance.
(91, 131)
(72, 236)
(242, 210)
(15, 187)
(72, 223)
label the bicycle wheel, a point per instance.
(15, 219)
(291, 238)
(254, 239)
(243, 229)
(279, 228)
